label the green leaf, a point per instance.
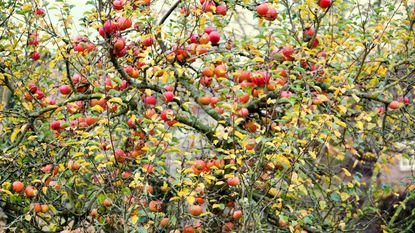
(334, 196)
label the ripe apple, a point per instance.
(32, 88)
(124, 23)
(287, 51)
(188, 229)
(195, 210)
(118, 5)
(18, 186)
(219, 110)
(394, 104)
(35, 55)
(214, 37)
(204, 39)
(150, 113)
(380, 110)
(220, 71)
(55, 125)
(262, 9)
(120, 155)
(237, 214)
(308, 33)
(65, 89)
(119, 44)
(154, 206)
(40, 11)
(204, 100)
(199, 166)
(164, 222)
(208, 71)
(30, 191)
(148, 168)
(44, 208)
(209, 6)
(150, 100)
(233, 181)
(93, 213)
(167, 96)
(147, 40)
(206, 81)
(243, 112)
(36, 207)
(325, 3)
(107, 202)
(214, 100)
(221, 10)
(185, 11)
(271, 14)
(227, 227)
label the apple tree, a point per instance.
(161, 116)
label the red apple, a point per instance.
(325, 3)
(214, 37)
(151, 100)
(55, 125)
(124, 23)
(118, 5)
(243, 112)
(39, 94)
(167, 114)
(167, 96)
(221, 10)
(32, 88)
(147, 41)
(120, 155)
(119, 44)
(18, 186)
(35, 55)
(220, 71)
(40, 11)
(272, 14)
(262, 9)
(65, 89)
(394, 104)
(287, 51)
(233, 181)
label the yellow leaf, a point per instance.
(239, 135)
(346, 172)
(174, 198)
(342, 109)
(344, 196)
(341, 123)
(28, 217)
(134, 219)
(77, 154)
(219, 183)
(357, 99)
(97, 108)
(209, 178)
(116, 100)
(215, 206)
(183, 192)
(359, 125)
(190, 200)
(14, 134)
(258, 59)
(6, 191)
(44, 190)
